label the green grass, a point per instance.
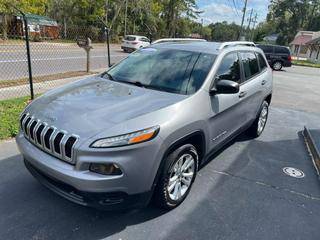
(306, 63)
(9, 116)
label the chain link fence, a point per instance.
(56, 56)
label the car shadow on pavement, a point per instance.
(30, 211)
(240, 194)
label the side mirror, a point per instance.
(225, 87)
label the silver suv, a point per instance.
(142, 129)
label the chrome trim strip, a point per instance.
(63, 144)
(35, 132)
(28, 127)
(23, 122)
(45, 129)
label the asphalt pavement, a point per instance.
(242, 193)
(53, 58)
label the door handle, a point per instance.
(263, 82)
(242, 94)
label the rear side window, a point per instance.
(130, 38)
(282, 50)
(250, 64)
(229, 68)
(200, 72)
(262, 62)
(266, 48)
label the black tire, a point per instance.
(277, 65)
(161, 195)
(254, 130)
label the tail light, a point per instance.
(289, 58)
(134, 43)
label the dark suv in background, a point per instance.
(277, 56)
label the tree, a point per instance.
(289, 16)
(224, 32)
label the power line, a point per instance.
(235, 7)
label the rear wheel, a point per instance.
(259, 124)
(277, 66)
(177, 177)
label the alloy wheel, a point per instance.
(262, 119)
(181, 177)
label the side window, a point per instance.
(200, 71)
(229, 68)
(282, 50)
(262, 62)
(266, 48)
(250, 64)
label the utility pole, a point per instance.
(242, 21)
(125, 19)
(254, 25)
(106, 9)
(250, 20)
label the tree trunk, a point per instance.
(5, 27)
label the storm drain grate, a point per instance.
(293, 172)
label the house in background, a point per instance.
(271, 39)
(40, 27)
(298, 46)
(314, 48)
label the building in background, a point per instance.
(271, 39)
(40, 27)
(314, 48)
(299, 46)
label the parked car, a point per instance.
(131, 43)
(142, 128)
(277, 56)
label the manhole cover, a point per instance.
(293, 172)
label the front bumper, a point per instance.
(138, 163)
(105, 201)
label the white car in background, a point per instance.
(131, 43)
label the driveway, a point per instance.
(242, 193)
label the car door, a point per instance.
(225, 116)
(252, 87)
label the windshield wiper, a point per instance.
(136, 83)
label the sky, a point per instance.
(231, 10)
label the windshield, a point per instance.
(170, 70)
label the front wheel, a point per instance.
(259, 124)
(177, 177)
(277, 66)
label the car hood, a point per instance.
(88, 106)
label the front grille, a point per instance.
(48, 138)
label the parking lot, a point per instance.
(242, 193)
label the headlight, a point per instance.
(127, 139)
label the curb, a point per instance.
(312, 148)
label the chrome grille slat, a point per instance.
(63, 143)
(26, 121)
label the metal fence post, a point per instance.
(28, 54)
(108, 45)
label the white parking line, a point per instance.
(58, 58)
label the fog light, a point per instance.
(105, 168)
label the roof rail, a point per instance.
(237, 43)
(163, 40)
